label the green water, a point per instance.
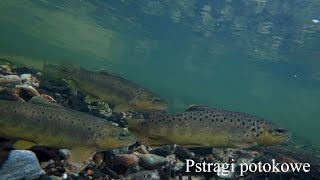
(259, 57)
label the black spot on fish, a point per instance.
(253, 129)
(225, 118)
(238, 120)
(71, 122)
(231, 120)
(67, 117)
(26, 108)
(89, 128)
(194, 118)
(174, 118)
(221, 120)
(185, 118)
(32, 112)
(200, 119)
(243, 123)
(59, 119)
(42, 112)
(15, 111)
(244, 132)
(50, 117)
(206, 117)
(258, 127)
(249, 120)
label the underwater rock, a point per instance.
(10, 81)
(55, 86)
(127, 160)
(64, 153)
(151, 161)
(94, 173)
(76, 102)
(29, 79)
(161, 151)
(21, 164)
(5, 69)
(44, 100)
(9, 94)
(144, 175)
(26, 91)
(102, 107)
(183, 153)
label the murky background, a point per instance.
(254, 56)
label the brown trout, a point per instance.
(83, 134)
(122, 93)
(201, 126)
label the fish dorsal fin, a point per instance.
(23, 144)
(241, 144)
(195, 107)
(81, 154)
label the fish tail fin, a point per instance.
(133, 124)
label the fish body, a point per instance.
(122, 93)
(208, 127)
(84, 134)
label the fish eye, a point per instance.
(156, 100)
(280, 131)
(123, 135)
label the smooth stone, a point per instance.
(21, 164)
(10, 81)
(151, 161)
(143, 175)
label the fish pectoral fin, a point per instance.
(241, 144)
(195, 107)
(23, 144)
(122, 108)
(81, 154)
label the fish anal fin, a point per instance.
(195, 107)
(241, 144)
(81, 154)
(23, 144)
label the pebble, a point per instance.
(144, 175)
(127, 160)
(26, 91)
(29, 79)
(162, 151)
(151, 161)
(21, 164)
(10, 81)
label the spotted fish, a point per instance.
(208, 127)
(122, 93)
(83, 134)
